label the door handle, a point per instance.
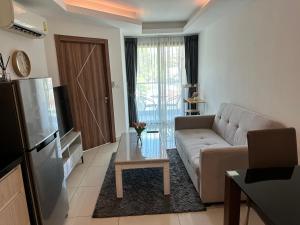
(106, 99)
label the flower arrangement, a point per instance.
(139, 127)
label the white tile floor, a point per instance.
(84, 186)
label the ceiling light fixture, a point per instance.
(202, 3)
(106, 7)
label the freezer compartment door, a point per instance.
(49, 183)
(38, 106)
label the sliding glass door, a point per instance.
(160, 77)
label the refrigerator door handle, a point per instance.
(47, 141)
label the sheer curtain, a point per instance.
(160, 77)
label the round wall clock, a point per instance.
(21, 63)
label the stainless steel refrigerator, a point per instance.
(28, 125)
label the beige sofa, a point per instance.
(211, 145)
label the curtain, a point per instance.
(160, 77)
(191, 61)
(131, 70)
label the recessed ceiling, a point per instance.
(145, 10)
(106, 6)
(139, 17)
(154, 17)
(163, 10)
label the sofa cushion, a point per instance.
(233, 123)
(194, 140)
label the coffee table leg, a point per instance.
(166, 178)
(119, 183)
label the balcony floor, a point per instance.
(165, 125)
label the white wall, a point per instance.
(70, 26)
(124, 80)
(9, 42)
(252, 58)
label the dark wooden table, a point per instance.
(274, 193)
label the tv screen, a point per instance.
(63, 110)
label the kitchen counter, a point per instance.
(9, 163)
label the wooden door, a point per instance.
(84, 67)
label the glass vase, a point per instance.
(139, 140)
(5, 76)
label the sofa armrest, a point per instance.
(214, 162)
(194, 122)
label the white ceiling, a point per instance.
(156, 16)
(163, 10)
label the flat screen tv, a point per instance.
(63, 110)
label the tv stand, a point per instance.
(72, 151)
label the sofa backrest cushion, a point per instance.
(232, 122)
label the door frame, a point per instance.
(59, 39)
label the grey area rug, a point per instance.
(143, 192)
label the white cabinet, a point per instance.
(72, 151)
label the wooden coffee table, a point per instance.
(151, 154)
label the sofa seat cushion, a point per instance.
(194, 140)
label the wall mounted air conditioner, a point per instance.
(14, 17)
